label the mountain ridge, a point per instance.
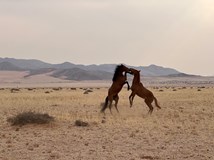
(71, 71)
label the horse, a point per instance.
(138, 89)
(119, 79)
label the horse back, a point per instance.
(141, 91)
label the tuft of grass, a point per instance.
(47, 92)
(80, 123)
(87, 91)
(147, 157)
(30, 118)
(14, 90)
(56, 89)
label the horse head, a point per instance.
(134, 71)
(119, 71)
(123, 68)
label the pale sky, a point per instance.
(170, 33)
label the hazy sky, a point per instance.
(170, 33)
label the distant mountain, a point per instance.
(182, 75)
(66, 65)
(154, 70)
(40, 71)
(103, 67)
(72, 71)
(80, 74)
(7, 66)
(26, 63)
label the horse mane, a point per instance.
(137, 77)
(116, 72)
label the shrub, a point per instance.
(57, 89)
(87, 91)
(30, 118)
(13, 90)
(81, 123)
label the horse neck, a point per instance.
(121, 78)
(118, 76)
(136, 79)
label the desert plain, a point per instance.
(182, 129)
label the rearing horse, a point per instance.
(119, 79)
(138, 89)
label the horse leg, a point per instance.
(131, 98)
(105, 105)
(110, 104)
(130, 101)
(116, 98)
(148, 101)
(127, 85)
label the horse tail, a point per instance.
(105, 105)
(156, 102)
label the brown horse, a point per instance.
(119, 79)
(138, 89)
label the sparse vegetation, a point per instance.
(179, 124)
(30, 118)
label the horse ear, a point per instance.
(139, 70)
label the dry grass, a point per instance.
(30, 117)
(182, 129)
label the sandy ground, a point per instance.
(15, 79)
(182, 129)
